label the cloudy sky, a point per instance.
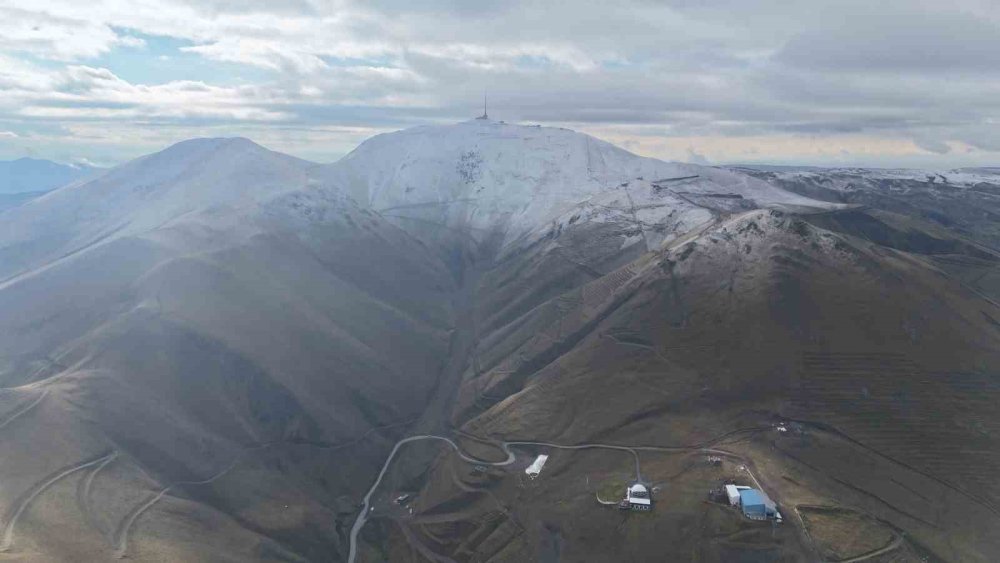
(827, 82)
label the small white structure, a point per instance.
(637, 496)
(733, 492)
(536, 466)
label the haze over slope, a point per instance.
(35, 175)
(207, 353)
(191, 307)
(195, 177)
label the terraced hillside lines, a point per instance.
(598, 291)
(422, 549)
(926, 421)
(484, 527)
(20, 412)
(26, 499)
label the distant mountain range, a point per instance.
(953, 176)
(34, 175)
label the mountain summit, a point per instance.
(186, 179)
(489, 176)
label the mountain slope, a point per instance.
(213, 321)
(199, 176)
(208, 353)
(964, 201)
(870, 353)
(672, 312)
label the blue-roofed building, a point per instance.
(756, 505)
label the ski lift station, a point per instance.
(536, 466)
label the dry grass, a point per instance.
(841, 534)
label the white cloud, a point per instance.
(131, 41)
(724, 76)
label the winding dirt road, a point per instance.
(18, 413)
(634, 450)
(20, 507)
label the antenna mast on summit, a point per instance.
(485, 115)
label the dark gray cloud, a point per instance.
(902, 43)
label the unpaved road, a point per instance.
(8, 532)
(121, 535)
(359, 522)
(26, 408)
(881, 551)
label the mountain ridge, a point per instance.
(32, 175)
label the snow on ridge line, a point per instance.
(963, 177)
(485, 175)
(480, 176)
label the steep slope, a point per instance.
(952, 216)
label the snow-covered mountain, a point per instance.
(191, 179)
(479, 177)
(512, 180)
(963, 200)
(961, 177)
(35, 175)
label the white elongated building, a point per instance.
(733, 492)
(536, 466)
